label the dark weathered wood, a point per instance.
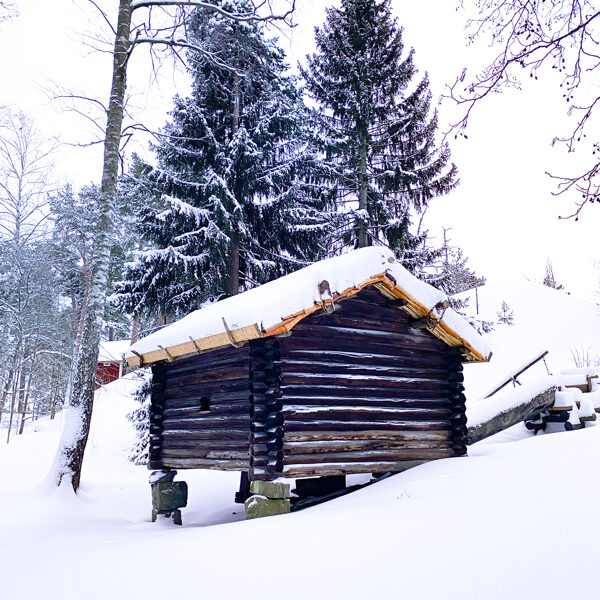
(309, 425)
(205, 454)
(344, 413)
(201, 445)
(357, 390)
(316, 447)
(407, 391)
(214, 411)
(361, 335)
(207, 389)
(318, 356)
(367, 402)
(328, 469)
(368, 455)
(210, 361)
(512, 416)
(368, 346)
(367, 434)
(230, 433)
(366, 370)
(218, 375)
(226, 421)
(197, 463)
(216, 400)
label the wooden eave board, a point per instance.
(382, 282)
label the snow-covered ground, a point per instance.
(515, 519)
(543, 319)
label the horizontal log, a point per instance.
(307, 436)
(227, 422)
(209, 376)
(361, 320)
(328, 469)
(215, 444)
(210, 361)
(365, 370)
(324, 448)
(369, 455)
(407, 338)
(204, 454)
(360, 357)
(214, 411)
(190, 397)
(365, 401)
(407, 392)
(193, 463)
(372, 381)
(307, 425)
(345, 413)
(318, 447)
(207, 389)
(368, 346)
(242, 434)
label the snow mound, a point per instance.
(543, 319)
(462, 515)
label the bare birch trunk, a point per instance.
(26, 402)
(6, 390)
(67, 467)
(14, 394)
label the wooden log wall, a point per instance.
(356, 391)
(200, 411)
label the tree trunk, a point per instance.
(5, 392)
(67, 466)
(134, 328)
(363, 236)
(26, 403)
(15, 391)
(233, 283)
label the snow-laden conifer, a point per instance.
(231, 200)
(376, 129)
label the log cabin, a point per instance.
(351, 365)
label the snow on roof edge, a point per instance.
(254, 312)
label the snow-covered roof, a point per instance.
(276, 307)
(113, 351)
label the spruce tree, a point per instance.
(232, 204)
(376, 129)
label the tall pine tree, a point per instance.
(236, 206)
(376, 130)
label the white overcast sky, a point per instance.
(503, 214)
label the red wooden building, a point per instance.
(111, 364)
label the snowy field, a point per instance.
(515, 519)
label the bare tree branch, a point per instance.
(254, 16)
(539, 37)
